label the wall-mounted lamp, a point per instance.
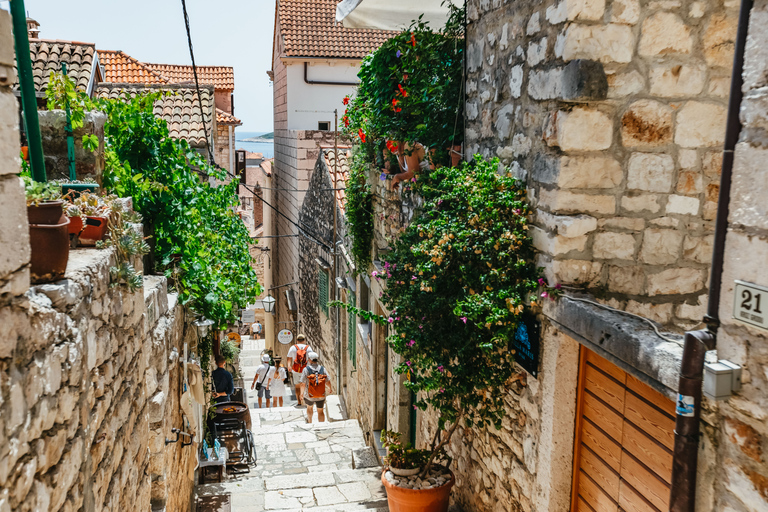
(203, 327)
(269, 303)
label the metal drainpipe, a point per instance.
(27, 86)
(696, 343)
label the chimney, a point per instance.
(33, 27)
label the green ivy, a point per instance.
(359, 212)
(198, 241)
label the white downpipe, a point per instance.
(269, 318)
(232, 167)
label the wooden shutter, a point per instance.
(322, 291)
(624, 441)
(352, 331)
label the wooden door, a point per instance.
(624, 441)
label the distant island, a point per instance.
(261, 138)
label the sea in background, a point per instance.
(265, 148)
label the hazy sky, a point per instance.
(234, 33)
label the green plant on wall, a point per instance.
(411, 90)
(359, 212)
(198, 241)
(457, 283)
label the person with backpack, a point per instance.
(297, 361)
(261, 380)
(318, 386)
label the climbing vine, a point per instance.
(359, 212)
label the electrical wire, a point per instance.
(609, 308)
(302, 229)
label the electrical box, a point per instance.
(721, 379)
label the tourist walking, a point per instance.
(256, 329)
(317, 387)
(223, 383)
(277, 386)
(297, 361)
(262, 379)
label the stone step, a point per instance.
(214, 503)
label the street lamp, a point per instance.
(203, 326)
(269, 303)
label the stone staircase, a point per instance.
(321, 467)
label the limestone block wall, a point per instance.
(221, 145)
(88, 164)
(614, 113)
(742, 482)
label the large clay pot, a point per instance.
(49, 244)
(401, 499)
(48, 212)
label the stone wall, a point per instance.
(614, 113)
(89, 165)
(742, 440)
(221, 145)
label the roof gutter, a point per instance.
(685, 459)
(320, 82)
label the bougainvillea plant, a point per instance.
(411, 89)
(457, 284)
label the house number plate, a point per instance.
(750, 305)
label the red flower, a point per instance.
(402, 91)
(395, 101)
(413, 39)
(391, 146)
(361, 134)
(346, 120)
(345, 100)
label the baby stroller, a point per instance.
(232, 424)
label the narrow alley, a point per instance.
(320, 466)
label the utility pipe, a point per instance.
(68, 131)
(696, 343)
(336, 333)
(320, 82)
(232, 165)
(27, 87)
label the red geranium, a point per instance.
(345, 100)
(391, 146)
(395, 101)
(402, 91)
(361, 134)
(346, 120)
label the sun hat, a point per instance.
(312, 356)
(265, 358)
(300, 337)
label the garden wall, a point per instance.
(89, 374)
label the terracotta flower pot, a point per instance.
(401, 499)
(49, 244)
(91, 234)
(48, 212)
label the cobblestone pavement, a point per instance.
(301, 466)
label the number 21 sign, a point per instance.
(750, 304)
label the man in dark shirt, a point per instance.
(222, 381)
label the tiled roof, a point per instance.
(309, 29)
(179, 108)
(47, 56)
(223, 117)
(122, 68)
(342, 172)
(220, 77)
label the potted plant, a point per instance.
(407, 489)
(89, 217)
(48, 231)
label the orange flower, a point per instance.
(413, 40)
(402, 91)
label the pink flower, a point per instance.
(414, 407)
(440, 368)
(375, 273)
(442, 390)
(544, 295)
(463, 319)
(397, 319)
(421, 327)
(413, 278)
(408, 363)
(411, 343)
(541, 281)
(557, 286)
(390, 319)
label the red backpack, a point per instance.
(300, 361)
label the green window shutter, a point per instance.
(322, 291)
(352, 329)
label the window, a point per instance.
(324, 126)
(322, 291)
(352, 331)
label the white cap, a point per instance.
(312, 356)
(265, 358)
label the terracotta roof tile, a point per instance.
(122, 68)
(179, 108)
(220, 77)
(223, 117)
(342, 171)
(309, 29)
(47, 55)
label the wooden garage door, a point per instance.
(624, 441)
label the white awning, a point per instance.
(391, 14)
